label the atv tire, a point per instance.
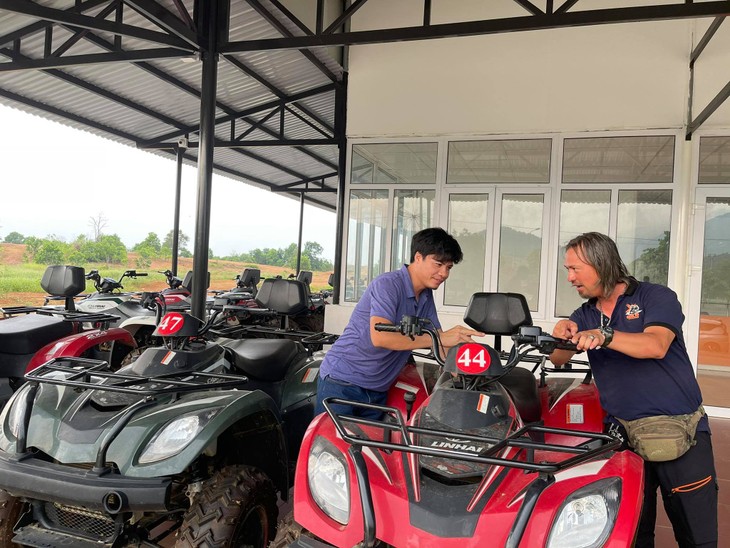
(236, 508)
(10, 510)
(287, 532)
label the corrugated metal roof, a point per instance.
(129, 71)
(158, 100)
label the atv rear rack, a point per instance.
(595, 445)
(67, 315)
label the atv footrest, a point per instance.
(38, 537)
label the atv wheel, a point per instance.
(287, 532)
(10, 510)
(236, 508)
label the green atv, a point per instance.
(187, 446)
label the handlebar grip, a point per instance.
(387, 327)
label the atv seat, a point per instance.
(501, 314)
(265, 359)
(285, 297)
(23, 336)
(188, 281)
(64, 281)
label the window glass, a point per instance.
(513, 161)
(580, 211)
(642, 237)
(366, 240)
(714, 320)
(715, 298)
(520, 246)
(413, 212)
(714, 160)
(394, 163)
(645, 159)
(468, 224)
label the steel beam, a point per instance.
(559, 19)
(92, 59)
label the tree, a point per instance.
(182, 244)
(152, 241)
(50, 252)
(98, 224)
(14, 238)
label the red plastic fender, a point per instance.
(76, 345)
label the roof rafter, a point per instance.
(25, 7)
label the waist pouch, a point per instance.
(663, 437)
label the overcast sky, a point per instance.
(54, 179)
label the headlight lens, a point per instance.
(176, 436)
(329, 480)
(586, 518)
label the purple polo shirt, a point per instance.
(354, 358)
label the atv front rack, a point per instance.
(594, 446)
(91, 374)
(84, 373)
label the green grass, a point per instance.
(23, 278)
(26, 277)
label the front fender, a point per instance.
(132, 325)
(75, 345)
(246, 412)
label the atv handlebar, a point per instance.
(531, 336)
(544, 343)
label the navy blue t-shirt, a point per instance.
(632, 388)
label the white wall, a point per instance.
(602, 77)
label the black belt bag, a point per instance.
(663, 437)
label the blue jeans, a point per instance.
(328, 387)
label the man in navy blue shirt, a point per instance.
(632, 332)
(363, 363)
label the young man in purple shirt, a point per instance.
(364, 363)
(632, 332)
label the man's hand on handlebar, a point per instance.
(458, 334)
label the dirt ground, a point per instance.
(222, 274)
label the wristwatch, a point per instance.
(607, 333)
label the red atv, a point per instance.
(491, 457)
(30, 336)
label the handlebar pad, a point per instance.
(387, 327)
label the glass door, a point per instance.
(708, 318)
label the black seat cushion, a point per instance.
(28, 334)
(265, 359)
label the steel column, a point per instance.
(179, 152)
(301, 229)
(341, 136)
(209, 85)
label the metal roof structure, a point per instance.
(244, 88)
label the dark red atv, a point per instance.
(491, 457)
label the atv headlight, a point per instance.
(176, 436)
(329, 480)
(586, 518)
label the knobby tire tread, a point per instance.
(227, 497)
